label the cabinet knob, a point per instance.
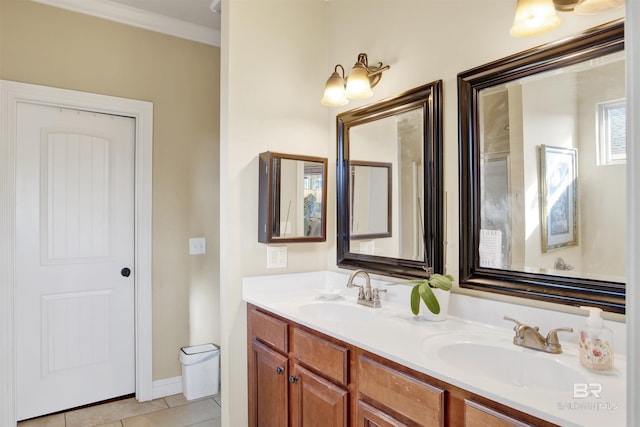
(293, 379)
(279, 370)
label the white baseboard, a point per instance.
(167, 387)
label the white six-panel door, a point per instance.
(74, 237)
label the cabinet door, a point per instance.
(368, 416)
(268, 387)
(316, 402)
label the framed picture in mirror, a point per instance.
(558, 197)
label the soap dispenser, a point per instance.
(596, 342)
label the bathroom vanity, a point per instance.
(313, 357)
(297, 372)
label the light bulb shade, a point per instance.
(334, 93)
(358, 85)
(534, 17)
(565, 5)
(591, 7)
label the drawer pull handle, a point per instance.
(293, 379)
(279, 370)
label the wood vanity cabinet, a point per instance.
(296, 378)
(301, 378)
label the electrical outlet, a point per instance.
(276, 256)
(197, 246)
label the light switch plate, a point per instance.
(276, 256)
(197, 246)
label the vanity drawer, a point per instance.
(269, 330)
(329, 359)
(477, 415)
(420, 402)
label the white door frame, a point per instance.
(11, 93)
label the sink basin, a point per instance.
(497, 359)
(338, 312)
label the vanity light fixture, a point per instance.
(591, 7)
(534, 17)
(358, 83)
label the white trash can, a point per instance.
(200, 370)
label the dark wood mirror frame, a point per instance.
(609, 296)
(429, 98)
(269, 197)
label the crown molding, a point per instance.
(139, 18)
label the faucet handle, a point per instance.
(519, 325)
(552, 344)
(552, 336)
(511, 319)
(376, 293)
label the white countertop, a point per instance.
(394, 333)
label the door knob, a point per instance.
(293, 379)
(279, 370)
(125, 272)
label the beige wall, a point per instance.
(600, 222)
(294, 46)
(273, 72)
(53, 47)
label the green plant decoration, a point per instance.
(422, 290)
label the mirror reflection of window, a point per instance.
(312, 193)
(580, 108)
(612, 132)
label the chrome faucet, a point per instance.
(366, 295)
(527, 336)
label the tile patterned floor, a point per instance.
(170, 411)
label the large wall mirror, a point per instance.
(389, 185)
(543, 172)
(292, 198)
